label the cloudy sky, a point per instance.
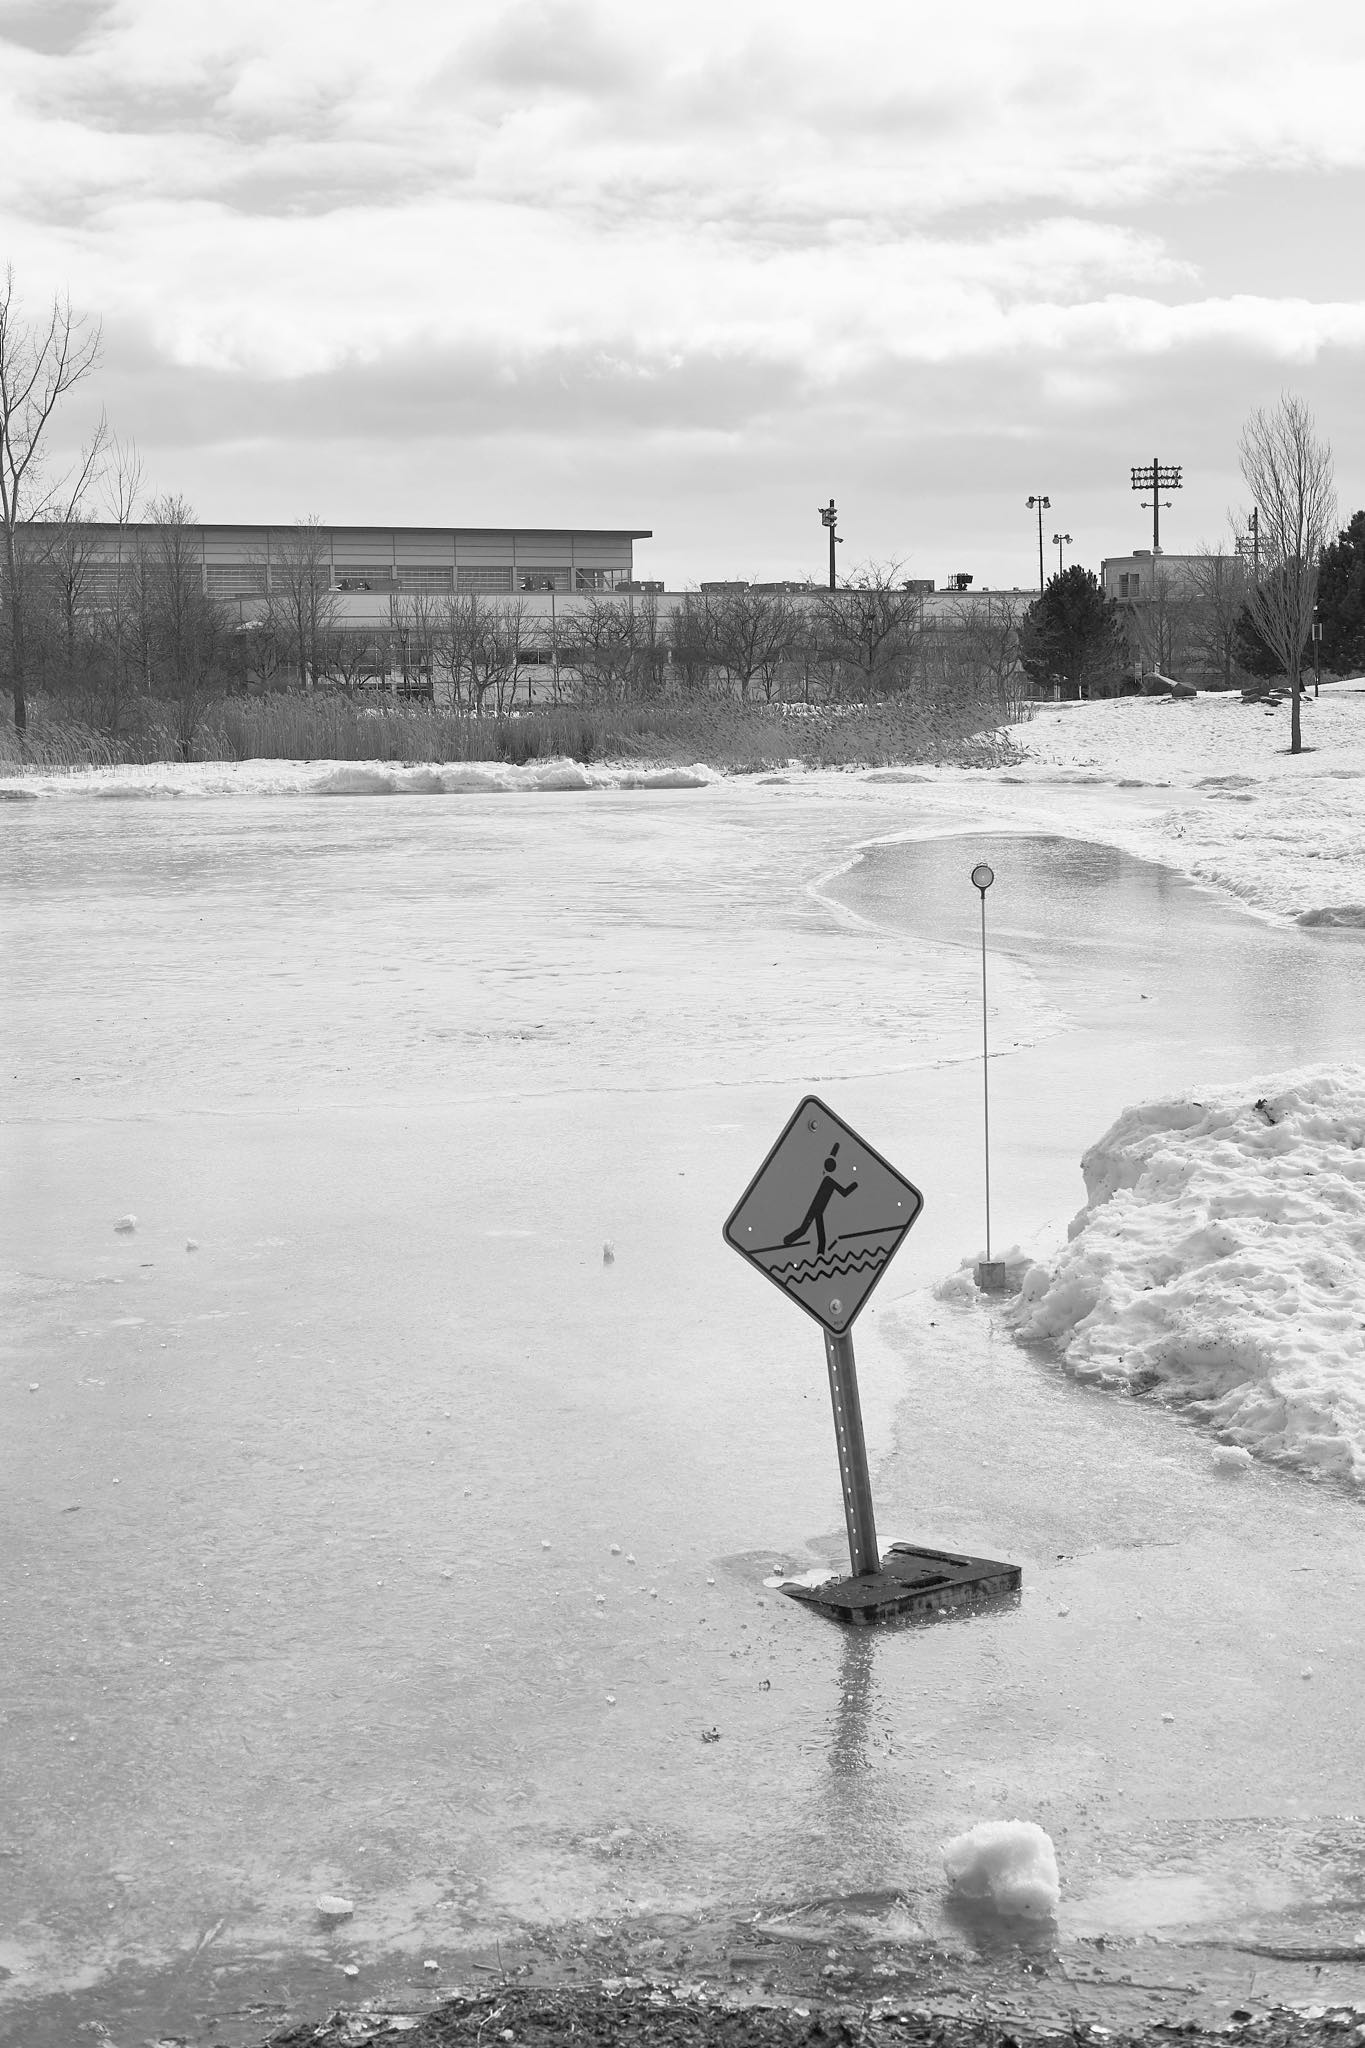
(698, 265)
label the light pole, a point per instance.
(1057, 540)
(830, 518)
(990, 1274)
(1044, 505)
(548, 583)
(1156, 476)
(1317, 650)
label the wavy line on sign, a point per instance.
(825, 1268)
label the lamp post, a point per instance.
(830, 518)
(1044, 505)
(1057, 540)
(1156, 476)
(1317, 651)
(990, 1274)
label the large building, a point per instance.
(368, 565)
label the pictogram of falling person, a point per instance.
(820, 1201)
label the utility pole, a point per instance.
(1057, 540)
(1044, 505)
(830, 518)
(1156, 476)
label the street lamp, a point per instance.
(1057, 540)
(1044, 505)
(830, 518)
(991, 1276)
(1156, 476)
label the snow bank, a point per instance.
(1008, 1864)
(1219, 1263)
(346, 778)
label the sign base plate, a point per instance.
(992, 1277)
(911, 1581)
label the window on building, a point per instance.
(542, 579)
(600, 579)
(364, 576)
(235, 579)
(488, 580)
(426, 578)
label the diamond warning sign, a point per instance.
(823, 1216)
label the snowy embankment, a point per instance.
(345, 778)
(1283, 832)
(1219, 1264)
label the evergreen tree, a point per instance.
(1071, 636)
(1341, 600)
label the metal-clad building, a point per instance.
(381, 561)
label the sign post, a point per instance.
(848, 1439)
(822, 1219)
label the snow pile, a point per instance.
(345, 778)
(1219, 1262)
(1008, 1864)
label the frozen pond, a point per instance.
(393, 1542)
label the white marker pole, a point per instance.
(982, 877)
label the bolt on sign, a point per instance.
(823, 1216)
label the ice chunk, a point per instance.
(331, 1906)
(1008, 1864)
(126, 1224)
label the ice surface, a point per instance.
(1009, 1863)
(277, 1618)
(1219, 1263)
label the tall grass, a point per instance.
(738, 738)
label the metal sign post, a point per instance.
(822, 1219)
(848, 1440)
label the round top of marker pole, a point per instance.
(983, 876)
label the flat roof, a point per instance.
(329, 526)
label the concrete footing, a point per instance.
(992, 1277)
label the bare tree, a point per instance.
(1161, 624)
(1218, 595)
(415, 623)
(124, 485)
(614, 646)
(1288, 472)
(189, 632)
(869, 629)
(747, 633)
(40, 361)
(300, 603)
(972, 653)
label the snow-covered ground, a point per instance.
(1284, 832)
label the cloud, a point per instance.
(53, 28)
(707, 238)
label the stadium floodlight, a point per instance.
(1057, 541)
(1156, 476)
